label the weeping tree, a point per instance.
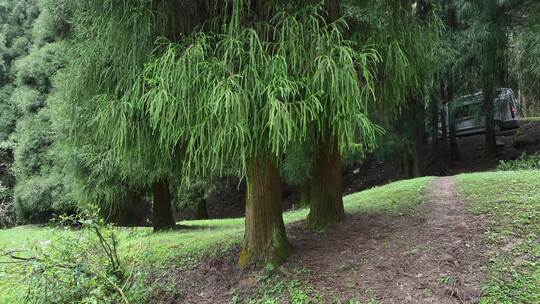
(407, 35)
(104, 81)
(246, 87)
(325, 183)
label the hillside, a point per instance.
(445, 240)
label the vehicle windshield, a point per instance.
(468, 110)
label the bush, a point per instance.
(38, 198)
(81, 267)
(7, 218)
(525, 162)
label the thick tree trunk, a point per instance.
(490, 136)
(162, 213)
(326, 187)
(202, 210)
(265, 239)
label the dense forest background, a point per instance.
(120, 119)
(47, 167)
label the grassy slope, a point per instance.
(512, 200)
(404, 197)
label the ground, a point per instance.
(463, 239)
(433, 254)
(450, 246)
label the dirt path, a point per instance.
(439, 258)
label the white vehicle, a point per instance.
(470, 116)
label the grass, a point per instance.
(531, 119)
(203, 237)
(512, 200)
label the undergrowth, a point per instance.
(524, 162)
(82, 267)
(143, 253)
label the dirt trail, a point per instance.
(439, 258)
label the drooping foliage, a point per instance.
(243, 89)
(118, 155)
(261, 86)
(410, 61)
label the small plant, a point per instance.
(524, 162)
(82, 267)
(7, 218)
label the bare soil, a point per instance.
(439, 257)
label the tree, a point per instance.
(240, 92)
(487, 41)
(326, 202)
(104, 81)
(16, 19)
(405, 75)
(525, 53)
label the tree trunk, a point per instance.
(435, 142)
(419, 132)
(305, 193)
(407, 166)
(444, 123)
(490, 136)
(333, 10)
(454, 149)
(326, 187)
(444, 135)
(265, 239)
(162, 213)
(202, 210)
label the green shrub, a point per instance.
(82, 267)
(525, 162)
(38, 198)
(7, 218)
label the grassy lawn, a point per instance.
(512, 200)
(198, 237)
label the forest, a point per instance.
(270, 151)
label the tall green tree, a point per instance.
(487, 25)
(241, 91)
(16, 21)
(525, 54)
(104, 82)
(407, 35)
